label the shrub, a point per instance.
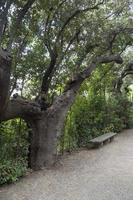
(10, 170)
(14, 150)
(95, 115)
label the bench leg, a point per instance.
(99, 145)
(111, 139)
(106, 141)
(96, 146)
(90, 145)
(102, 144)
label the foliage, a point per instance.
(10, 170)
(75, 31)
(97, 110)
(14, 150)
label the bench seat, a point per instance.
(100, 140)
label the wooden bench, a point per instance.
(100, 140)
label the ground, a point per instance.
(102, 174)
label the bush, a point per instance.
(14, 150)
(93, 115)
(10, 170)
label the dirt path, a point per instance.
(103, 174)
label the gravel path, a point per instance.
(103, 174)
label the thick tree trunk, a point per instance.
(46, 131)
(43, 142)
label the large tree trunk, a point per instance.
(46, 131)
(43, 142)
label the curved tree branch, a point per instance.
(3, 17)
(75, 14)
(127, 71)
(21, 108)
(21, 14)
(79, 78)
(5, 72)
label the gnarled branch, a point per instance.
(5, 71)
(21, 14)
(79, 78)
(128, 70)
(21, 108)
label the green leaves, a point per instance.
(97, 110)
(13, 150)
(10, 170)
(77, 36)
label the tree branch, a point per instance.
(5, 71)
(79, 78)
(21, 108)
(127, 71)
(3, 18)
(21, 14)
(63, 102)
(48, 74)
(74, 14)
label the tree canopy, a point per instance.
(53, 41)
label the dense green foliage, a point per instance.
(89, 118)
(97, 110)
(14, 150)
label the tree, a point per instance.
(54, 44)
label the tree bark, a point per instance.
(5, 72)
(46, 131)
(43, 142)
